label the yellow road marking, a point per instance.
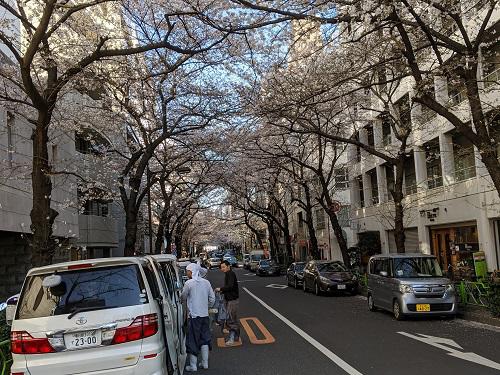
(268, 338)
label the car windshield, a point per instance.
(267, 262)
(256, 257)
(416, 267)
(90, 288)
(331, 267)
(299, 267)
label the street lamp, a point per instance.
(180, 170)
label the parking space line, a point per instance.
(327, 352)
(268, 338)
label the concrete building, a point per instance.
(451, 206)
(94, 230)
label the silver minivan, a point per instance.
(410, 285)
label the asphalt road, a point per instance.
(337, 335)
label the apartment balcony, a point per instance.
(97, 231)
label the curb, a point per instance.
(472, 313)
(478, 314)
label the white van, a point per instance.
(97, 316)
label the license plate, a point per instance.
(341, 286)
(423, 307)
(81, 340)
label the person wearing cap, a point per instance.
(200, 297)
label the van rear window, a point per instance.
(88, 289)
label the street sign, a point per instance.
(335, 206)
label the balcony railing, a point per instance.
(457, 98)
(435, 181)
(411, 189)
(465, 173)
(492, 79)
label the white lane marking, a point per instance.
(276, 286)
(247, 281)
(248, 274)
(445, 344)
(327, 352)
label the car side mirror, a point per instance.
(383, 273)
(10, 311)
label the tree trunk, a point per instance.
(272, 239)
(486, 144)
(130, 231)
(337, 230)
(313, 240)
(178, 244)
(168, 238)
(42, 215)
(288, 242)
(397, 194)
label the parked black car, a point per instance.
(326, 276)
(268, 267)
(295, 274)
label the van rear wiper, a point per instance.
(82, 309)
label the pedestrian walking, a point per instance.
(200, 297)
(231, 293)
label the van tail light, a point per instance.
(21, 342)
(142, 327)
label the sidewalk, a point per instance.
(478, 314)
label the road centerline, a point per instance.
(323, 349)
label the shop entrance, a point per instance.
(454, 248)
(442, 240)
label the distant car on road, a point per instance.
(326, 276)
(295, 274)
(254, 261)
(231, 259)
(246, 261)
(268, 267)
(213, 263)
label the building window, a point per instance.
(374, 183)
(10, 138)
(456, 92)
(90, 142)
(361, 194)
(386, 131)
(463, 154)
(370, 135)
(95, 208)
(404, 111)
(491, 67)
(341, 178)
(343, 216)
(433, 164)
(358, 149)
(389, 173)
(300, 219)
(410, 177)
(320, 219)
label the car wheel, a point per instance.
(304, 287)
(396, 310)
(295, 283)
(317, 290)
(371, 305)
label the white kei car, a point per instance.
(97, 316)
